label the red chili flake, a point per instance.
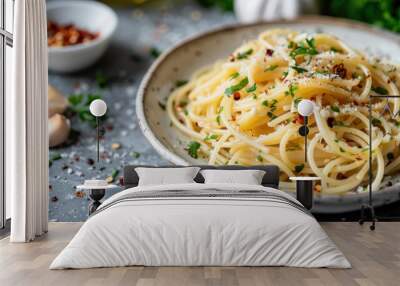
(79, 194)
(340, 70)
(341, 176)
(231, 58)
(269, 52)
(299, 119)
(236, 95)
(330, 121)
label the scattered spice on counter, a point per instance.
(54, 199)
(154, 52)
(79, 194)
(134, 154)
(115, 146)
(90, 161)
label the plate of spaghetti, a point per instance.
(230, 96)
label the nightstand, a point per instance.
(305, 190)
(97, 190)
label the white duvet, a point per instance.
(190, 231)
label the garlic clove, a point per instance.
(57, 102)
(59, 128)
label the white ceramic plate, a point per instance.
(180, 62)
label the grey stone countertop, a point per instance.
(141, 33)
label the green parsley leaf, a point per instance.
(375, 122)
(380, 90)
(260, 158)
(251, 88)
(211, 137)
(193, 148)
(305, 48)
(297, 101)
(154, 52)
(75, 99)
(244, 55)
(234, 88)
(335, 109)
(271, 68)
(292, 90)
(134, 154)
(299, 168)
(265, 103)
(180, 83)
(218, 119)
(299, 69)
(234, 75)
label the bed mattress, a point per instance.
(201, 225)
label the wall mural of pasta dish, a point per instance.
(243, 110)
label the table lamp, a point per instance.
(304, 185)
(305, 109)
(98, 108)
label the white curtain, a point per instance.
(26, 124)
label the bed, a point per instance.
(201, 224)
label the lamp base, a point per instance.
(365, 208)
(95, 195)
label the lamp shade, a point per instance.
(98, 107)
(305, 107)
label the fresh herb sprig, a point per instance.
(79, 104)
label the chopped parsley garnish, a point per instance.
(265, 103)
(297, 101)
(305, 48)
(335, 109)
(244, 55)
(299, 69)
(285, 73)
(299, 168)
(271, 115)
(154, 52)
(271, 68)
(375, 122)
(333, 49)
(234, 75)
(210, 137)
(292, 90)
(135, 154)
(251, 88)
(180, 83)
(218, 119)
(193, 148)
(234, 88)
(380, 90)
(341, 149)
(260, 158)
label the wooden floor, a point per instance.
(375, 257)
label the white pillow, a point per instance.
(164, 176)
(248, 177)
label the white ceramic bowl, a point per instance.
(181, 61)
(89, 15)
